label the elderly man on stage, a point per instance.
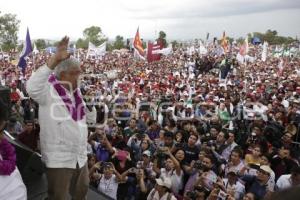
(62, 120)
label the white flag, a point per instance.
(264, 52)
(96, 51)
(35, 50)
(202, 50)
(164, 51)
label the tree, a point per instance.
(94, 35)
(240, 40)
(119, 42)
(9, 27)
(174, 44)
(109, 46)
(82, 43)
(230, 40)
(40, 44)
(162, 38)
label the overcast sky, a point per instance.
(180, 19)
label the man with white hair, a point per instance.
(62, 119)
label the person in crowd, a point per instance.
(172, 170)
(11, 184)
(102, 148)
(230, 145)
(282, 162)
(62, 119)
(30, 135)
(254, 157)
(289, 180)
(109, 180)
(235, 162)
(174, 116)
(258, 185)
(161, 191)
(202, 174)
(233, 186)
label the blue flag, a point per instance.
(27, 49)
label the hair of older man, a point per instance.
(66, 65)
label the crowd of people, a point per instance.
(188, 126)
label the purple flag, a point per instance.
(27, 49)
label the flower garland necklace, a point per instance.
(7, 157)
(77, 111)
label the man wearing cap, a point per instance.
(232, 185)
(258, 184)
(162, 190)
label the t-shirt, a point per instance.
(109, 186)
(102, 153)
(191, 153)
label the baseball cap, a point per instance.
(147, 153)
(232, 171)
(164, 181)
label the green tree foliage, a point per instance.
(162, 38)
(82, 43)
(240, 40)
(94, 35)
(91, 34)
(175, 44)
(40, 44)
(109, 46)
(119, 42)
(9, 27)
(272, 37)
(230, 40)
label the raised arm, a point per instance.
(36, 86)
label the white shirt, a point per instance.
(12, 186)
(227, 151)
(63, 141)
(284, 182)
(156, 196)
(109, 186)
(177, 181)
(238, 188)
(91, 116)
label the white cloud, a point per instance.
(179, 19)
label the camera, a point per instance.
(133, 170)
(198, 164)
(211, 143)
(191, 194)
(179, 145)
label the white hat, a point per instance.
(147, 153)
(266, 168)
(164, 181)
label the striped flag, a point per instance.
(245, 47)
(153, 51)
(138, 46)
(224, 43)
(27, 49)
